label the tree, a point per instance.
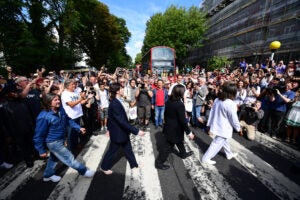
(178, 28)
(138, 59)
(218, 63)
(56, 33)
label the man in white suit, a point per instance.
(222, 120)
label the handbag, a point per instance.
(132, 112)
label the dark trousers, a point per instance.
(167, 149)
(276, 118)
(113, 147)
(73, 136)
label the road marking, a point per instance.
(274, 180)
(23, 176)
(207, 179)
(74, 186)
(142, 183)
(278, 147)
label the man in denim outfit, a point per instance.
(50, 130)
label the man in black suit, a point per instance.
(175, 127)
(119, 130)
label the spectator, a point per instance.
(282, 96)
(159, 98)
(71, 102)
(200, 92)
(293, 120)
(280, 68)
(144, 95)
(50, 130)
(249, 118)
(103, 106)
(188, 100)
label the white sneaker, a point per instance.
(89, 173)
(52, 178)
(211, 162)
(232, 156)
(6, 165)
(102, 128)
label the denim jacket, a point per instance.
(51, 127)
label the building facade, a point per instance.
(245, 28)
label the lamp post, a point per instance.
(273, 47)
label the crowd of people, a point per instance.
(267, 100)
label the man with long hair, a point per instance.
(221, 122)
(50, 130)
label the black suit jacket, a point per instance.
(117, 123)
(175, 122)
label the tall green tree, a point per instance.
(138, 59)
(178, 28)
(56, 33)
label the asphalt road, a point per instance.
(263, 169)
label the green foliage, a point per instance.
(138, 59)
(218, 63)
(178, 28)
(56, 33)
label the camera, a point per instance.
(141, 85)
(120, 71)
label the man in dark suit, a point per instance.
(175, 128)
(119, 130)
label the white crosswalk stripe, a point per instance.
(145, 183)
(74, 186)
(209, 182)
(142, 183)
(278, 147)
(21, 180)
(280, 185)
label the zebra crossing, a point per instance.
(260, 171)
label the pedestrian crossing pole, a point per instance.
(273, 47)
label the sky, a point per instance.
(137, 12)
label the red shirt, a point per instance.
(160, 97)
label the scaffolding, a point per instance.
(245, 28)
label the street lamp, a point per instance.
(273, 47)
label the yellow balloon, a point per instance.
(275, 45)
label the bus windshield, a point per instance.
(160, 61)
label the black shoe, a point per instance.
(162, 167)
(29, 163)
(156, 127)
(187, 154)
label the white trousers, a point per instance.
(215, 146)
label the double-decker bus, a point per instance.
(159, 60)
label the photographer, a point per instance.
(249, 118)
(144, 95)
(282, 97)
(90, 109)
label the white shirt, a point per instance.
(74, 112)
(103, 98)
(172, 86)
(223, 118)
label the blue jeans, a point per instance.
(59, 152)
(196, 113)
(159, 115)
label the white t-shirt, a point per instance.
(188, 101)
(103, 98)
(74, 112)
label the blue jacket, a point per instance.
(153, 100)
(51, 127)
(117, 123)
